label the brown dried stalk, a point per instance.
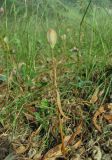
(52, 38)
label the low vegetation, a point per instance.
(55, 99)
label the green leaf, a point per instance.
(3, 78)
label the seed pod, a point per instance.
(52, 37)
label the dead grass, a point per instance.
(33, 87)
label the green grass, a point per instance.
(79, 74)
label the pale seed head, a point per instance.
(52, 37)
(1, 10)
(63, 37)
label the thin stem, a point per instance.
(83, 18)
(58, 100)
